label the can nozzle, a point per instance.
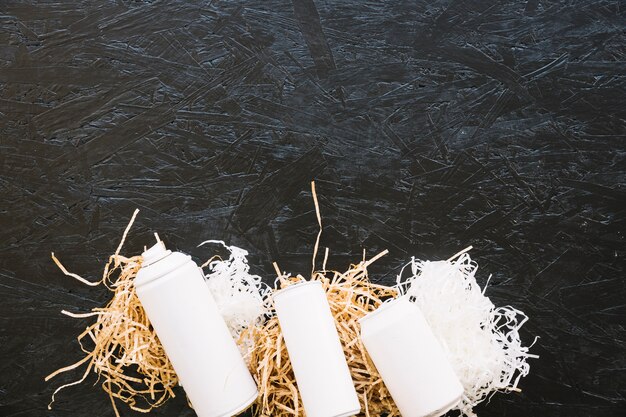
(155, 253)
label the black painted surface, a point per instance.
(428, 125)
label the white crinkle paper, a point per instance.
(481, 340)
(238, 294)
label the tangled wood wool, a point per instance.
(351, 296)
(120, 346)
(123, 349)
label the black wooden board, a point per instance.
(428, 126)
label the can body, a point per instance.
(194, 336)
(315, 351)
(410, 360)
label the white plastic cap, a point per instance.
(155, 253)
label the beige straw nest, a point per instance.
(128, 357)
(121, 346)
(351, 296)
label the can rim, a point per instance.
(295, 286)
(383, 307)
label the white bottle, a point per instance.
(315, 351)
(186, 319)
(410, 360)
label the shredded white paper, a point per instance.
(238, 294)
(481, 340)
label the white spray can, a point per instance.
(315, 351)
(195, 337)
(410, 360)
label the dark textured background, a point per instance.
(428, 125)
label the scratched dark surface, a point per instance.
(428, 125)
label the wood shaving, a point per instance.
(121, 346)
(127, 355)
(351, 296)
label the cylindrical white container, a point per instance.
(410, 360)
(315, 352)
(186, 319)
